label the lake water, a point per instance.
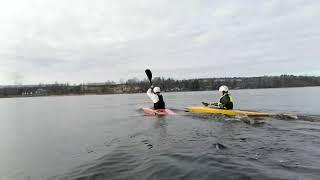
(107, 137)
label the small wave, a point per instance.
(310, 118)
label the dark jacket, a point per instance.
(226, 101)
(160, 104)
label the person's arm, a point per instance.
(221, 103)
(211, 105)
(154, 98)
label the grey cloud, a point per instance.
(87, 41)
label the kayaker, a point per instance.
(225, 101)
(154, 94)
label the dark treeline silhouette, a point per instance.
(203, 84)
(167, 84)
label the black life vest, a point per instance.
(227, 101)
(160, 104)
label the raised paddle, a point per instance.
(149, 74)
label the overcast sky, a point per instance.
(79, 41)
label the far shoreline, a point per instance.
(101, 94)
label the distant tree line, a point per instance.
(167, 84)
(203, 84)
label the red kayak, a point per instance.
(154, 112)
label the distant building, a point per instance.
(41, 92)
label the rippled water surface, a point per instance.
(108, 137)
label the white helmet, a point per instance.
(223, 88)
(156, 90)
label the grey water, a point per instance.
(98, 137)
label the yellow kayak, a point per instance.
(209, 110)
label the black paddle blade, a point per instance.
(205, 104)
(149, 74)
